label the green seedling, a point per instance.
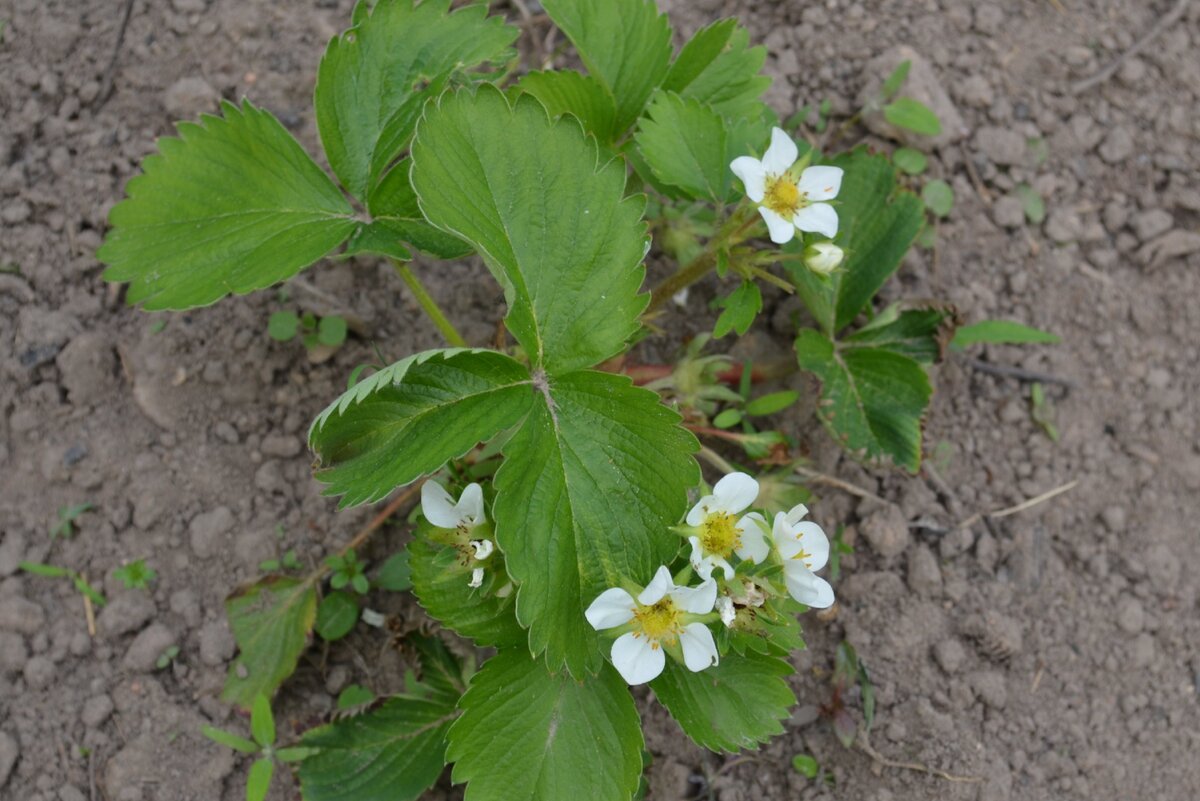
(262, 729)
(167, 657)
(313, 331)
(135, 575)
(347, 570)
(67, 524)
(1042, 411)
(77, 580)
(289, 561)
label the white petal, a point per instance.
(806, 587)
(483, 548)
(814, 542)
(612, 608)
(476, 578)
(637, 659)
(697, 513)
(696, 600)
(781, 155)
(438, 506)
(820, 218)
(699, 649)
(373, 618)
(753, 176)
(821, 183)
(785, 540)
(724, 607)
(796, 514)
(658, 587)
(781, 230)
(735, 492)
(470, 506)
(754, 545)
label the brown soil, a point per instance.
(1053, 653)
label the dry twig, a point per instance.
(1164, 23)
(1020, 507)
(837, 483)
(1019, 373)
(864, 745)
(106, 87)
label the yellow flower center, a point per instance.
(658, 621)
(719, 534)
(783, 196)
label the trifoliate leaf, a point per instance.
(570, 92)
(737, 704)
(921, 333)
(913, 115)
(271, 621)
(408, 420)
(375, 78)
(528, 735)
(626, 44)
(553, 227)
(232, 205)
(440, 584)
(873, 400)
(876, 226)
(336, 616)
(393, 753)
(730, 84)
(396, 217)
(587, 490)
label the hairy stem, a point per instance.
(430, 306)
(704, 263)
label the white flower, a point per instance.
(823, 257)
(804, 548)
(659, 617)
(462, 518)
(786, 203)
(719, 532)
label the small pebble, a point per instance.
(950, 655)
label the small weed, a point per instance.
(135, 575)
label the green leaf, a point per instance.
(47, 571)
(737, 704)
(938, 197)
(772, 403)
(728, 418)
(876, 226)
(232, 205)
(396, 218)
(593, 438)
(731, 83)
(336, 616)
(922, 333)
(393, 753)
(684, 143)
(262, 722)
(625, 44)
(805, 765)
(740, 308)
(374, 79)
(230, 740)
(282, 325)
(910, 161)
(409, 419)
(331, 331)
(698, 54)
(259, 780)
(1001, 332)
(570, 92)
(913, 115)
(271, 621)
(528, 735)
(295, 754)
(396, 574)
(440, 584)
(553, 227)
(891, 86)
(1031, 203)
(873, 400)
(354, 695)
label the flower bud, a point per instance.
(823, 257)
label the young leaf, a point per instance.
(938, 197)
(570, 92)
(625, 44)
(876, 226)
(47, 571)
(805, 765)
(593, 438)
(737, 704)
(731, 84)
(913, 115)
(282, 325)
(233, 204)
(528, 735)
(698, 54)
(407, 420)
(910, 161)
(396, 573)
(554, 228)
(873, 400)
(331, 331)
(1001, 332)
(740, 308)
(440, 584)
(336, 616)
(230, 740)
(921, 334)
(271, 621)
(393, 753)
(262, 722)
(295, 754)
(375, 78)
(354, 695)
(685, 144)
(891, 86)
(772, 403)
(259, 780)
(1031, 203)
(396, 218)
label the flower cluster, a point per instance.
(738, 558)
(464, 522)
